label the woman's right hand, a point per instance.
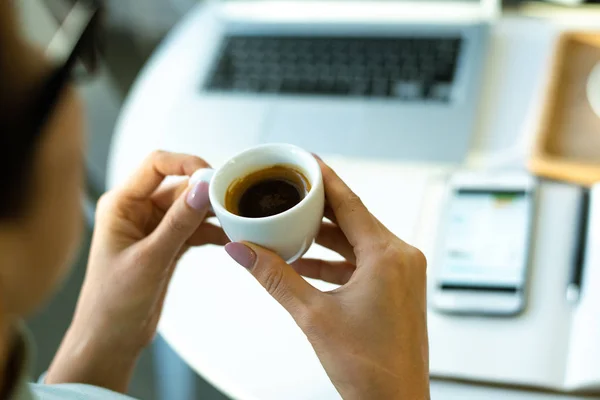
(370, 334)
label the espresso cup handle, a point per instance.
(202, 175)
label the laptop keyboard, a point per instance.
(411, 69)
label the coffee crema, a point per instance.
(266, 192)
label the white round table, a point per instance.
(218, 319)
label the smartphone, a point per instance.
(482, 255)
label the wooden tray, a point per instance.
(568, 143)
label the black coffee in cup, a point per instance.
(267, 192)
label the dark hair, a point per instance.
(17, 139)
(16, 165)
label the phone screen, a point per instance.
(486, 241)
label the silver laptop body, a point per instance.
(386, 79)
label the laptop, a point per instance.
(372, 79)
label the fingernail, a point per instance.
(197, 197)
(241, 253)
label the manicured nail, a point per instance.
(197, 197)
(241, 253)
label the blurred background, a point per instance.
(135, 28)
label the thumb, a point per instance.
(275, 275)
(181, 220)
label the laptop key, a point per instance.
(290, 85)
(272, 85)
(241, 86)
(445, 75)
(441, 92)
(379, 88)
(408, 90)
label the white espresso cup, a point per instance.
(289, 233)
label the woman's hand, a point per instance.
(142, 229)
(371, 333)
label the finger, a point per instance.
(164, 197)
(338, 272)
(276, 276)
(352, 216)
(208, 233)
(180, 222)
(328, 213)
(332, 237)
(156, 167)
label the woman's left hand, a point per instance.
(142, 229)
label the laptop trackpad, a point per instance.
(320, 126)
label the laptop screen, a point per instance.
(438, 11)
(365, 1)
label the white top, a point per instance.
(70, 391)
(23, 389)
(216, 316)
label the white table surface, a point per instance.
(216, 316)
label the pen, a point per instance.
(576, 276)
